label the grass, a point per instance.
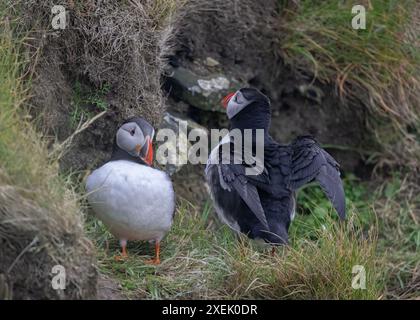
(40, 217)
(24, 157)
(202, 259)
(87, 102)
(398, 208)
(161, 11)
(376, 67)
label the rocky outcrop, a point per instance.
(202, 92)
(177, 149)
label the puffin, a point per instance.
(134, 200)
(262, 203)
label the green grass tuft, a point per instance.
(85, 103)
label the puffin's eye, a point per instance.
(132, 132)
(237, 100)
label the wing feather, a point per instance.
(311, 162)
(233, 176)
(246, 190)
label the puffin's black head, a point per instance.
(248, 106)
(134, 140)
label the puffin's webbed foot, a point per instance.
(156, 260)
(153, 261)
(121, 257)
(124, 254)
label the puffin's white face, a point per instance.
(234, 103)
(130, 138)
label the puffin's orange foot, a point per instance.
(120, 258)
(123, 255)
(154, 262)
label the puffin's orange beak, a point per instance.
(138, 148)
(149, 153)
(226, 99)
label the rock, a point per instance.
(171, 120)
(204, 93)
(210, 62)
(177, 150)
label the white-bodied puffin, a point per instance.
(134, 200)
(263, 205)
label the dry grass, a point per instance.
(398, 208)
(40, 220)
(127, 45)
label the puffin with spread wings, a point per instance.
(263, 205)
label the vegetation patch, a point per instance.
(376, 67)
(41, 223)
(86, 103)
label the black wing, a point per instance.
(310, 162)
(232, 176)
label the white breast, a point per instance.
(213, 158)
(134, 201)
